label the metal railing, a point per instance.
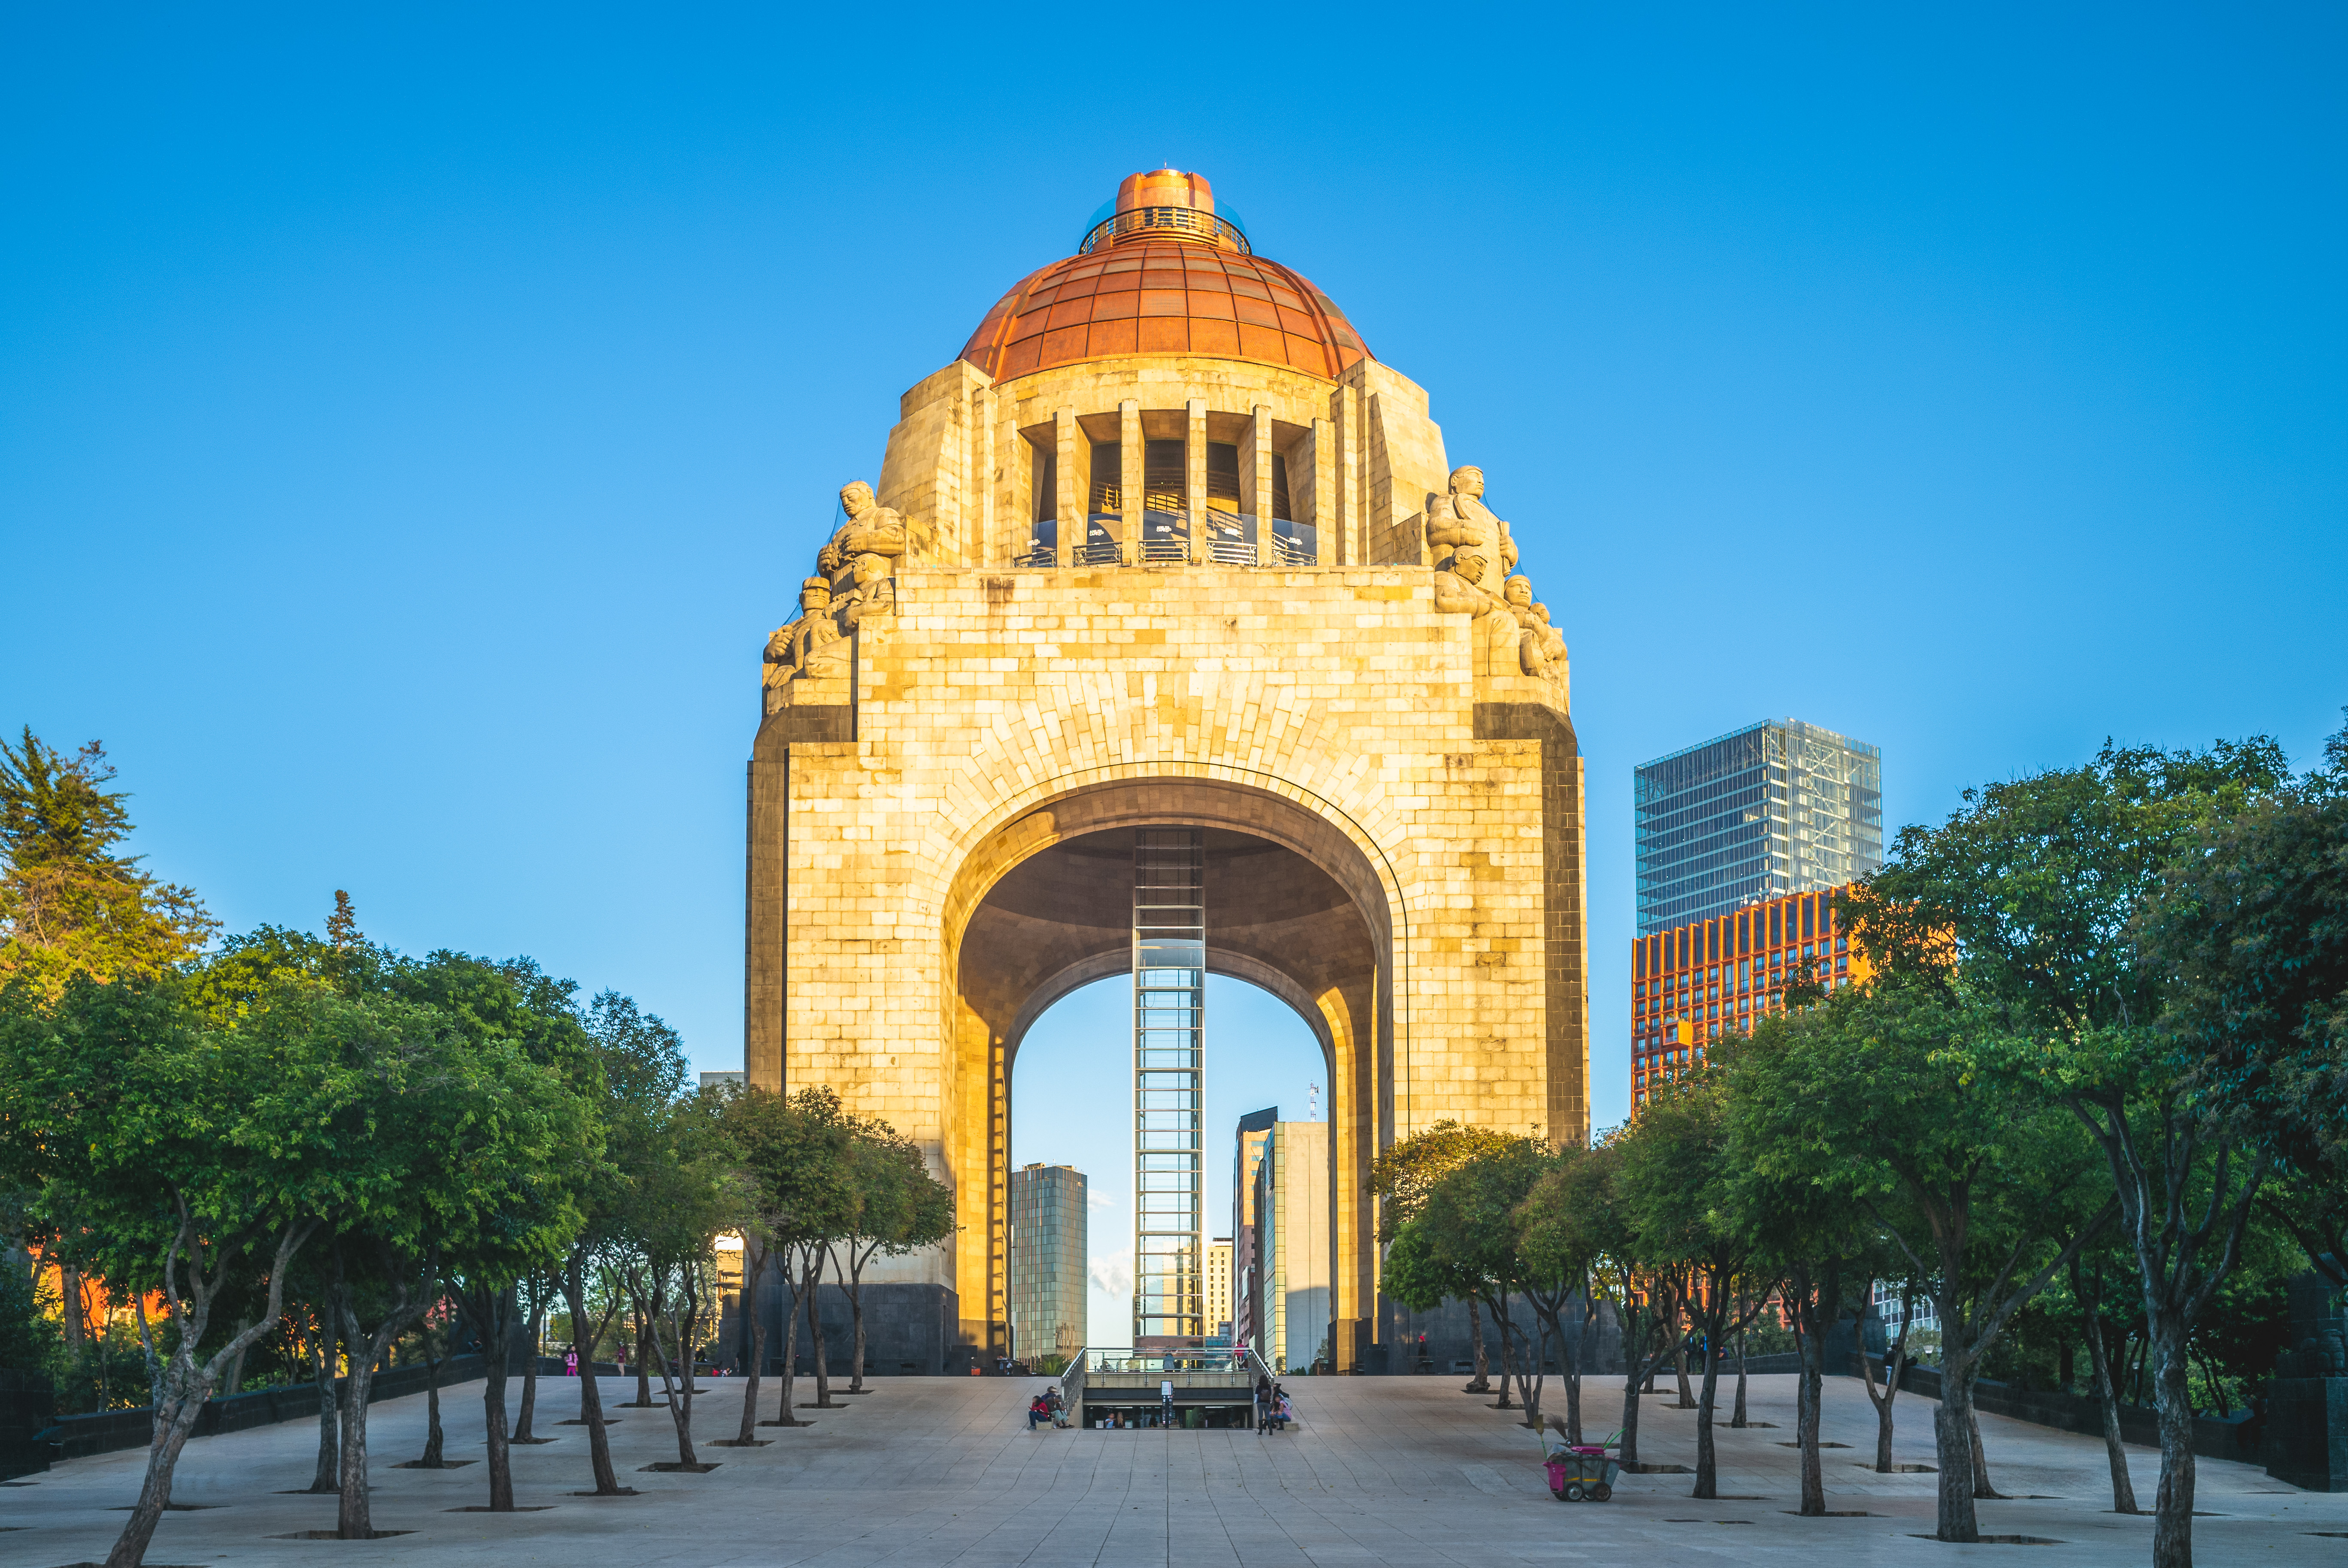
(1230, 539)
(1174, 220)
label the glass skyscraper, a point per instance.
(1775, 808)
(1049, 1234)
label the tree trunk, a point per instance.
(434, 1455)
(1952, 1435)
(496, 1326)
(815, 1332)
(1982, 1488)
(1679, 1365)
(680, 1403)
(352, 1520)
(1570, 1349)
(1481, 1383)
(856, 1316)
(2172, 1502)
(1506, 1370)
(792, 1281)
(2115, 1452)
(322, 1354)
(521, 1432)
(174, 1421)
(1707, 1464)
(644, 1361)
(591, 1396)
(1807, 1405)
(1738, 1419)
(754, 1264)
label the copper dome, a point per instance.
(1146, 291)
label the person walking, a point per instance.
(570, 1364)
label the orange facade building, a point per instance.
(1693, 982)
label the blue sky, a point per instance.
(415, 420)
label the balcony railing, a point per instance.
(1173, 220)
(1230, 538)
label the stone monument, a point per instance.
(1166, 546)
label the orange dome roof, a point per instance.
(1149, 295)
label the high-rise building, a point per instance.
(1218, 1288)
(1694, 983)
(1282, 1248)
(1776, 808)
(1254, 1142)
(1048, 1241)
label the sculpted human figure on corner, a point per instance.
(1466, 538)
(863, 552)
(792, 646)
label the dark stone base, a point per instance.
(2307, 1432)
(910, 1331)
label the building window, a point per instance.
(1281, 506)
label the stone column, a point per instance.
(1068, 506)
(1325, 524)
(1265, 555)
(1194, 479)
(1128, 479)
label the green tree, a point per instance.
(639, 1070)
(895, 1206)
(2248, 930)
(1879, 1097)
(794, 1151)
(683, 1192)
(1680, 1181)
(2033, 892)
(172, 1158)
(69, 902)
(1470, 1221)
(1561, 1256)
(1401, 1177)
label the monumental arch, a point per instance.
(1166, 546)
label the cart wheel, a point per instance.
(1601, 1492)
(1573, 1492)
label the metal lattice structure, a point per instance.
(1169, 999)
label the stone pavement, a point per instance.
(937, 1471)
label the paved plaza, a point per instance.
(938, 1470)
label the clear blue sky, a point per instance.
(414, 423)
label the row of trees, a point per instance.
(2099, 1073)
(318, 1137)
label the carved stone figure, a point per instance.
(791, 647)
(1466, 538)
(1552, 640)
(1532, 657)
(1467, 492)
(863, 552)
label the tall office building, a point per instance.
(1776, 808)
(1048, 1260)
(1218, 1288)
(1281, 1305)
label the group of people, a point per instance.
(1048, 1407)
(1273, 1411)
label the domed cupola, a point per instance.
(1162, 270)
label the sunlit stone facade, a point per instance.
(1004, 664)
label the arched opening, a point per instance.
(1043, 907)
(1071, 1097)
